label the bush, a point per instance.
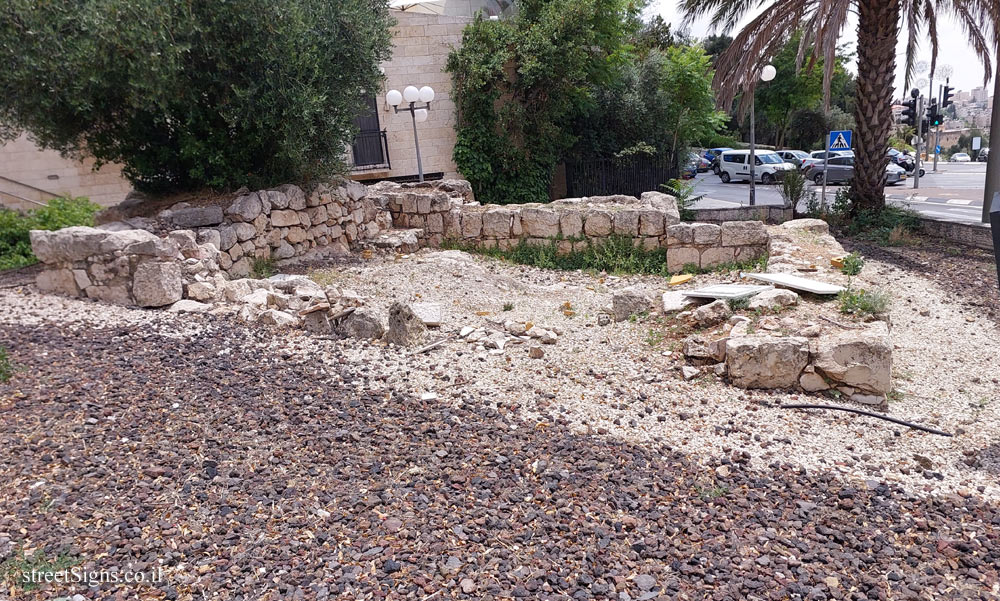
(15, 244)
(193, 94)
(863, 302)
(793, 188)
(684, 193)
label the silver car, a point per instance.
(841, 171)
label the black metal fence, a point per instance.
(628, 175)
(370, 151)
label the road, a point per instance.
(954, 193)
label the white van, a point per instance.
(769, 167)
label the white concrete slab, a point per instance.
(798, 283)
(727, 291)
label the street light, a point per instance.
(418, 114)
(766, 74)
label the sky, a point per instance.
(954, 50)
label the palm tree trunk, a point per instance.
(878, 31)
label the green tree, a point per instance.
(715, 45)
(192, 94)
(879, 23)
(519, 83)
(661, 102)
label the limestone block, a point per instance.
(540, 222)
(58, 281)
(296, 234)
(651, 222)
(245, 231)
(227, 235)
(284, 218)
(196, 216)
(496, 223)
(716, 255)
(296, 197)
(706, 233)
(679, 256)
(210, 236)
(597, 223)
(245, 208)
(680, 234)
(665, 204)
(772, 299)
(472, 225)
(571, 224)
(318, 214)
(157, 283)
(304, 219)
(743, 233)
(435, 223)
(626, 223)
(859, 358)
(766, 361)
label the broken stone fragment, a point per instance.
(773, 299)
(711, 314)
(766, 361)
(629, 302)
(362, 325)
(431, 314)
(274, 317)
(156, 284)
(405, 328)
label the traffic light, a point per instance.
(934, 116)
(946, 97)
(910, 112)
(925, 125)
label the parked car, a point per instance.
(984, 155)
(960, 157)
(794, 157)
(818, 156)
(701, 163)
(712, 155)
(769, 167)
(691, 167)
(841, 171)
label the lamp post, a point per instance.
(766, 74)
(417, 113)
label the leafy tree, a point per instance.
(715, 45)
(519, 83)
(658, 34)
(192, 94)
(879, 23)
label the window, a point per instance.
(769, 159)
(734, 158)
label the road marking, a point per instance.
(960, 201)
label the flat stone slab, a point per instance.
(727, 291)
(796, 282)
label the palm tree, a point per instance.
(822, 22)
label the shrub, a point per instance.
(793, 188)
(193, 94)
(6, 366)
(262, 269)
(684, 193)
(863, 302)
(15, 244)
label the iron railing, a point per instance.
(628, 175)
(370, 152)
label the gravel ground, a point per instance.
(253, 464)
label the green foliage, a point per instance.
(793, 188)
(16, 570)
(684, 193)
(863, 303)
(262, 269)
(193, 94)
(738, 304)
(853, 263)
(6, 366)
(519, 82)
(15, 244)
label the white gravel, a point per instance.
(622, 380)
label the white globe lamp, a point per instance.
(426, 94)
(393, 97)
(768, 73)
(411, 94)
(420, 115)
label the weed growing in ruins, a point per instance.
(6, 366)
(853, 264)
(738, 304)
(863, 303)
(262, 269)
(508, 306)
(16, 570)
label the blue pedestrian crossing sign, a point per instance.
(840, 140)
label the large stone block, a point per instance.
(58, 281)
(716, 255)
(706, 233)
(539, 222)
(472, 225)
(651, 222)
(157, 283)
(245, 208)
(405, 328)
(859, 358)
(227, 237)
(679, 256)
(75, 243)
(766, 361)
(678, 234)
(571, 224)
(743, 233)
(196, 216)
(664, 203)
(245, 231)
(284, 218)
(626, 223)
(496, 223)
(296, 197)
(597, 223)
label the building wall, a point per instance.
(421, 44)
(30, 172)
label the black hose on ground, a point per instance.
(870, 414)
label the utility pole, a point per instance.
(920, 141)
(993, 163)
(937, 129)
